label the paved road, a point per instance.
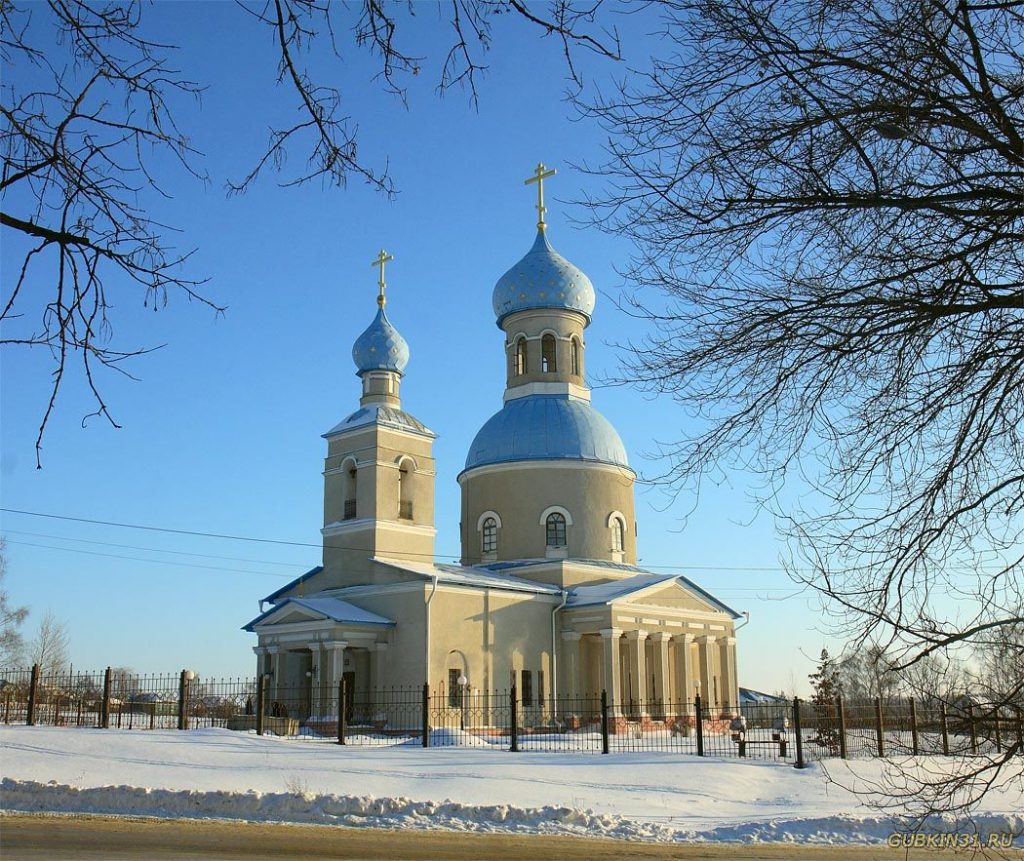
(53, 838)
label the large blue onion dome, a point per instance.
(380, 347)
(547, 427)
(543, 279)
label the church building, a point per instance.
(548, 594)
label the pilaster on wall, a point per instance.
(706, 656)
(659, 670)
(637, 671)
(730, 686)
(684, 688)
(610, 640)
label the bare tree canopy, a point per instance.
(830, 198)
(88, 115)
(12, 642)
(50, 649)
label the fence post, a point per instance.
(182, 696)
(426, 714)
(879, 731)
(342, 716)
(841, 718)
(973, 727)
(105, 705)
(799, 735)
(33, 687)
(604, 721)
(913, 726)
(513, 701)
(699, 712)
(945, 729)
(261, 701)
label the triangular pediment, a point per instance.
(674, 596)
(292, 616)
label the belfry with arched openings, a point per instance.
(548, 593)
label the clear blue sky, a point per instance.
(222, 433)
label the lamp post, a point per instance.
(462, 681)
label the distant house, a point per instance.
(758, 704)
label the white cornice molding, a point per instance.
(343, 527)
(580, 393)
(554, 463)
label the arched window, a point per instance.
(555, 530)
(520, 356)
(404, 491)
(489, 536)
(618, 535)
(574, 352)
(548, 363)
(350, 488)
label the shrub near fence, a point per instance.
(786, 731)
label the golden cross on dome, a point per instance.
(539, 175)
(382, 258)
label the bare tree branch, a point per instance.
(828, 200)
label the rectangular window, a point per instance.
(453, 688)
(526, 688)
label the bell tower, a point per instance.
(379, 471)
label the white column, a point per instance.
(705, 651)
(315, 680)
(660, 670)
(637, 671)
(332, 668)
(610, 641)
(684, 691)
(261, 661)
(727, 659)
(570, 665)
(276, 668)
(378, 662)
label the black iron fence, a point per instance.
(793, 731)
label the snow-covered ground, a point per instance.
(653, 796)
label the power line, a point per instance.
(787, 592)
(165, 529)
(159, 528)
(679, 566)
(148, 549)
(153, 561)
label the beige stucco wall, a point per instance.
(488, 633)
(520, 492)
(379, 454)
(403, 660)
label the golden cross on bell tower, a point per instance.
(539, 175)
(382, 258)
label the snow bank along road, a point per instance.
(651, 797)
(50, 838)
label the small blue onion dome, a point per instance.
(543, 279)
(380, 347)
(547, 427)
